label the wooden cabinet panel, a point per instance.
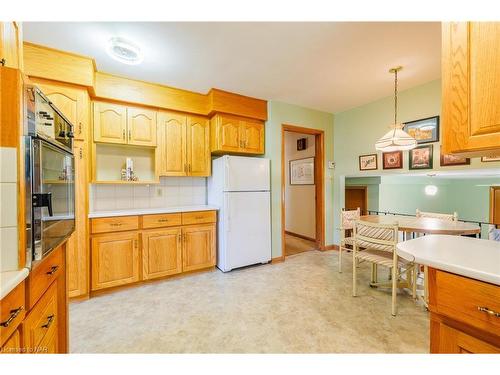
(161, 220)
(41, 321)
(252, 137)
(114, 224)
(229, 133)
(110, 123)
(12, 312)
(198, 249)
(161, 253)
(44, 274)
(199, 217)
(141, 124)
(11, 44)
(13, 344)
(198, 146)
(172, 144)
(452, 340)
(471, 88)
(115, 259)
(232, 134)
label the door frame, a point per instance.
(319, 172)
(364, 209)
(492, 202)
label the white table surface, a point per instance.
(150, 211)
(470, 257)
(10, 279)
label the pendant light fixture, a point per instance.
(396, 139)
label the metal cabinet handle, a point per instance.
(129, 134)
(13, 315)
(50, 320)
(123, 134)
(53, 270)
(116, 224)
(199, 217)
(189, 167)
(488, 311)
(80, 128)
(81, 154)
(135, 244)
(3, 62)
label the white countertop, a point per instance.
(466, 256)
(10, 279)
(149, 211)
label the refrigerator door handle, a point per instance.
(228, 219)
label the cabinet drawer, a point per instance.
(199, 217)
(460, 299)
(43, 275)
(114, 224)
(12, 345)
(12, 312)
(41, 322)
(161, 220)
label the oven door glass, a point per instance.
(56, 201)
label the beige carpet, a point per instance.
(296, 245)
(302, 305)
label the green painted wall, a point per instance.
(372, 184)
(356, 131)
(282, 113)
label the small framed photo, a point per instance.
(420, 157)
(368, 162)
(449, 160)
(392, 160)
(425, 130)
(302, 171)
(487, 159)
(301, 144)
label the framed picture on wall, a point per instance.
(368, 162)
(425, 130)
(302, 171)
(486, 159)
(450, 160)
(420, 157)
(392, 160)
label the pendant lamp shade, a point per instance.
(396, 139)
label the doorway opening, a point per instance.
(302, 190)
(356, 196)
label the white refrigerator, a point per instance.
(240, 187)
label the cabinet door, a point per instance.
(11, 44)
(471, 88)
(252, 137)
(172, 144)
(161, 253)
(452, 340)
(198, 249)
(72, 101)
(141, 124)
(13, 344)
(115, 259)
(228, 133)
(198, 146)
(110, 123)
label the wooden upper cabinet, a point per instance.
(11, 45)
(471, 88)
(72, 101)
(198, 250)
(232, 134)
(110, 123)
(172, 144)
(161, 253)
(198, 146)
(115, 259)
(141, 125)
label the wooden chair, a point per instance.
(347, 220)
(376, 243)
(435, 215)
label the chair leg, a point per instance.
(375, 269)
(414, 274)
(394, 290)
(354, 284)
(426, 285)
(340, 258)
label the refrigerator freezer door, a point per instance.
(247, 230)
(246, 174)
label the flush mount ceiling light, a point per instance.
(124, 51)
(431, 190)
(396, 139)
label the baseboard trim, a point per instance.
(330, 247)
(278, 259)
(300, 236)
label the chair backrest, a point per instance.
(348, 217)
(376, 236)
(435, 215)
(493, 233)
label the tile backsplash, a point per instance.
(171, 191)
(8, 212)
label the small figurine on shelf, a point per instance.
(127, 173)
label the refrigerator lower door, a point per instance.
(244, 173)
(247, 230)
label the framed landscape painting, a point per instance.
(368, 162)
(420, 157)
(392, 160)
(425, 130)
(450, 160)
(486, 159)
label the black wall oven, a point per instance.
(50, 176)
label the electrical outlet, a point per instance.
(159, 192)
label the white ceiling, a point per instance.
(327, 66)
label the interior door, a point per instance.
(172, 144)
(355, 196)
(141, 125)
(161, 253)
(495, 205)
(198, 146)
(110, 123)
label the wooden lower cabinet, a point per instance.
(115, 259)
(13, 344)
(198, 250)
(455, 341)
(161, 253)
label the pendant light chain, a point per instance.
(395, 96)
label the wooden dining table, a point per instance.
(427, 225)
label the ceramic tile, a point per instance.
(141, 191)
(8, 213)
(141, 202)
(8, 163)
(105, 191)
(8, 249)
(104, 204)
(124, 203)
